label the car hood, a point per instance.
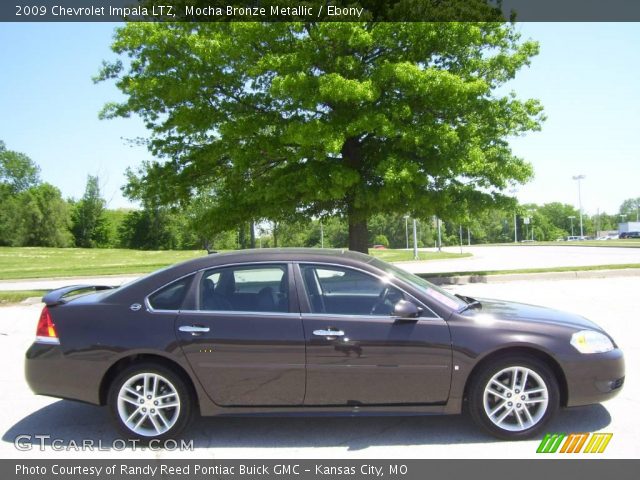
(532, 313)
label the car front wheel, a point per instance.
(514, 397)
(149, 401)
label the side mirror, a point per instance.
(405, 309)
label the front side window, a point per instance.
(343, 291)
(247, 288)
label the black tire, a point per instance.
(179, 417)
(476, 398)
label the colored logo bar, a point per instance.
(574, 443)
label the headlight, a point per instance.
(589, 341)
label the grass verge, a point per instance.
(17, 296)
(41, 262)
(585, 268)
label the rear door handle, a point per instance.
(194, 329)
(328, 333)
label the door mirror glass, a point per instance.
(406, 309)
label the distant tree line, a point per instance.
(34, 213)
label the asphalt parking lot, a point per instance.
(612, 302)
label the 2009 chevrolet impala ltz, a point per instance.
(312, 332)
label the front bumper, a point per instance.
(593, 378)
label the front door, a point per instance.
(243, 341)
(358, 353)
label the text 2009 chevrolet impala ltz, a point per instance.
(315, 332)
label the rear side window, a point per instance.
(171, 296)
(246, 288)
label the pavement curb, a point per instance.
(518, 277)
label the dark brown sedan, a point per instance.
(313, 332)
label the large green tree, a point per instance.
(314, 119)
(43, 219)
(17, 171)
(89, 225)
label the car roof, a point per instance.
(149, 283)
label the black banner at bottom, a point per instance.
(582, 469)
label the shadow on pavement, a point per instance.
(75, 422)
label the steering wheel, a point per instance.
(381, 301)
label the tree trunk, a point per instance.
(252, 234)
(275, 235)
(358, 234)
(242, 236)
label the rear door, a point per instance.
(358, 353)
(245, 340)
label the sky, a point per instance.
(587, 77)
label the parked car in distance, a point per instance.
(313, 332)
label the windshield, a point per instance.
(438, 294)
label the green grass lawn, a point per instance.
(38, 262)
(7, 298)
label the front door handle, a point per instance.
(194, 329)
(328, 333)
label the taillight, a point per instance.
(46, 330)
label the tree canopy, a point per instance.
(283, 120)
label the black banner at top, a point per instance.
(320, 10)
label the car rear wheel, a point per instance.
(149, 401)
(514, 397)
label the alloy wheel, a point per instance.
(148, 404)
(515, 398)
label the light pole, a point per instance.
(321, 235)
(439, 234)
(579, 178)
(406, 229)
(415, 240)
(513, 192)
(571, 217)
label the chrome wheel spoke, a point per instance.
(142, 418)
(503, 416)
(167, 395)
(164, 419)
(129, 400)
(519, 418)
(528, 415)
(155, 423)
(133, 392)
(534, 390)
(130, 419)
(168, 405)
(497, 409)
(497, 394)
(523, 383)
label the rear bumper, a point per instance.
(48, 372)
(593, 378)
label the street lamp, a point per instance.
(578, 178)
(415, 239)
(406, 229)
(571, 217)
(513, 192)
